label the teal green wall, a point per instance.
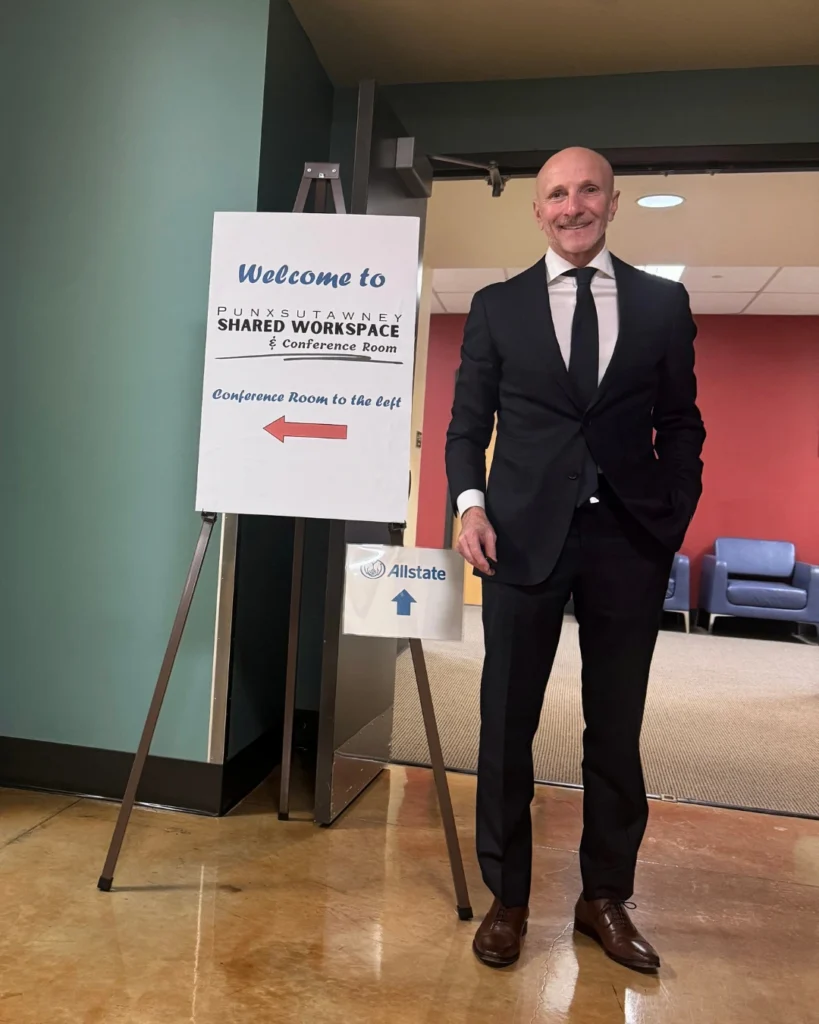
(691, 108)
(124, 126)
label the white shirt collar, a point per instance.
(556, 265)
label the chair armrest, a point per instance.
(806, 577)
(682, 576)
(713, 582)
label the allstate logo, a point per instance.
(374, 570)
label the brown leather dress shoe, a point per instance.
(608, 923)
(497, 942)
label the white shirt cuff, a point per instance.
(469, 499)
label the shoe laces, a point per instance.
(619, 908)
(503, 915)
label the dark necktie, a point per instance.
(584, 360)
(584, 363)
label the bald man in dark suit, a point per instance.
(588, 365)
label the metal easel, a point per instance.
(436, 757)
(106, 879)
(321, 174)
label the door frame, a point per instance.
(668, 160)
(358, 673)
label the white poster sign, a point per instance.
(308, 366)
(403, 592)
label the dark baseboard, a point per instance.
(193, 786)
(86, 771)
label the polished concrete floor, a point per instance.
(250, 919)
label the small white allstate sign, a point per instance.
(403, 592)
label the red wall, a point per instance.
(759, 395)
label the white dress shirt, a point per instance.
(563, 299)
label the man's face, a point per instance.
(575, 202)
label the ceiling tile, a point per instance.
(435, 304)
(774, 304)
(720, 302)
(727, 279)
(456, 302)
(467, 280)
(795, 279)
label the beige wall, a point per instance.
(418, 394)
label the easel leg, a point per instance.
(107, 877)
(320, 173)
(292, 663)
(442, 786)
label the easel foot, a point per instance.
(104, 884)
(465, 913)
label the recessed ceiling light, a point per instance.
(660, 202)
(670, 271)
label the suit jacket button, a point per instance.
(574, 476)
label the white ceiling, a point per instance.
(749, 242)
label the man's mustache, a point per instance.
(574, 222)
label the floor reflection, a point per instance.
(248, 918)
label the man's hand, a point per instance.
(477, 540)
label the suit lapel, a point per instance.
(627, 315)
(539, 321)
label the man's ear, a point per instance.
(615, 202)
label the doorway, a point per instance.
(754, 287)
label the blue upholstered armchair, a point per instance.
(758, 579)
(678, 594)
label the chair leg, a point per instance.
(802, 633)
(687, 618)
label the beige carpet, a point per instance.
(728, 721)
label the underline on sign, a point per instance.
(344, 358)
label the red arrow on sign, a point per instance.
(280, 429)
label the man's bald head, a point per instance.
(575, 200)
(575, 161)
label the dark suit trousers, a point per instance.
(617, 574)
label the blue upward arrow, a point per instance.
(404, 603)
